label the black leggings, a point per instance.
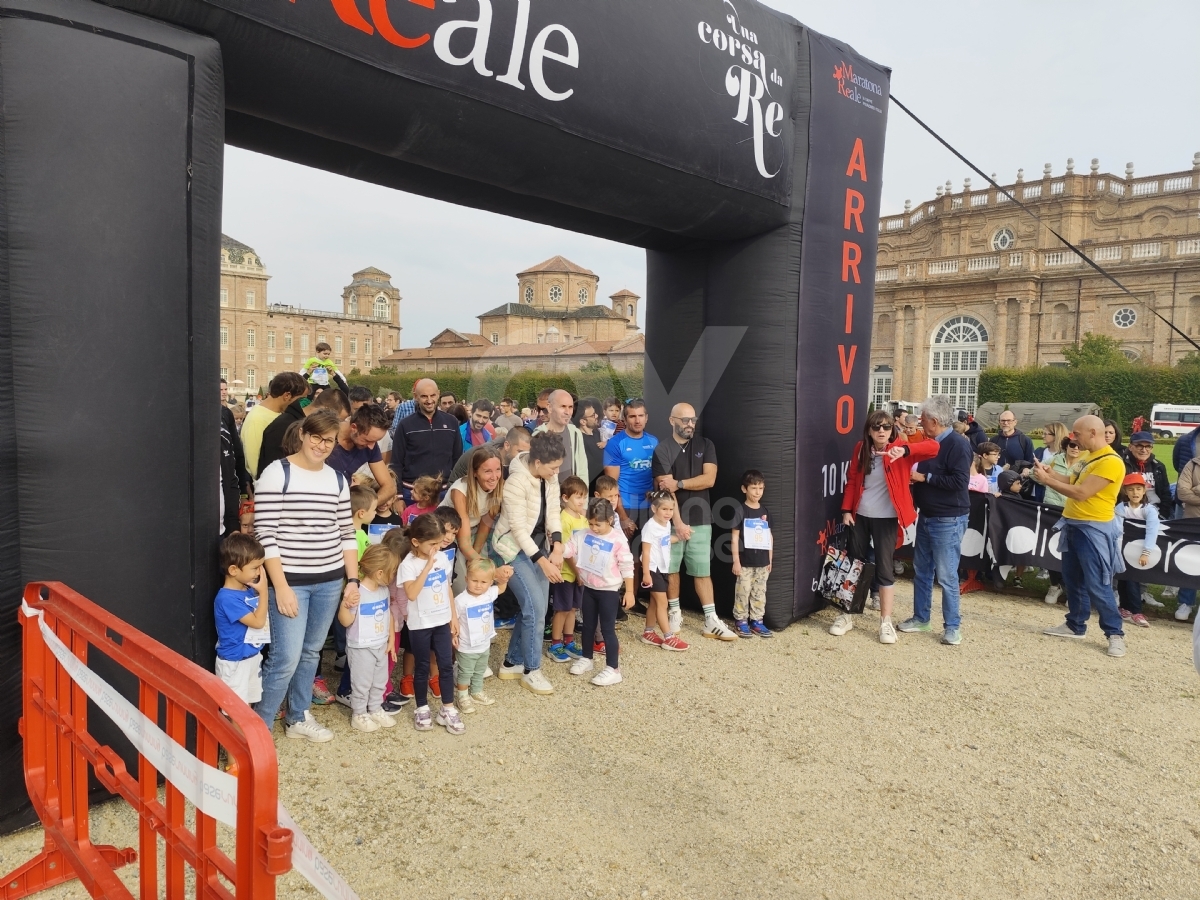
(603, 604)
(882, 533)
(437, 639)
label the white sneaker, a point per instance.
(1043, 574)
(841, 624)
(364, 722)
(1170, 592)
(481, 699)
(581, 666)
(675, 620)
(1116, 645)
(309, 729)
(1053, 594)
(579, 617)
(511, 673)
(607, 676)
(1148, 599)
(887, 633)
(385, 719)
(536, 682)
(463, 701)
(715, 628)
(1182, 611)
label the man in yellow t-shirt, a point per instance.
(283, 389)
(1091, 535)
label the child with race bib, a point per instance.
(604, 566)
(656, 563)
(425, 575)
(475, 608)
(240, 613)
(370, 639)
(1131, 504)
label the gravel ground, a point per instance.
(1014, 765)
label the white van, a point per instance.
(1167, 420)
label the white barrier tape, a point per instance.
(207, 788)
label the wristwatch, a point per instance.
(353, 581)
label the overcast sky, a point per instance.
(1012, 85)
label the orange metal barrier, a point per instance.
(59, 750)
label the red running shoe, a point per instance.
(652, 638)
(321, 693)
(435, 686)
(597, 646)
(673, 643)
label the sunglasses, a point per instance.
(881, 427)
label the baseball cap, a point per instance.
(1133, 478)
(1141, 437)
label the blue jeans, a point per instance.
(296, 644)
(1087, 570)
(1187, 596)
(532, 589)
(938, 550)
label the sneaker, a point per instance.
(761, 630)
(1139, 620)
(463, 701)
(558, 653)
(509, 672)
(1053, 594)
(488, 673)
(598, 648)
(1043, 575)
(435, 685)
(322, 696)
(952, 636)
(365, 723)
(675, 620)
(339, 662)
(548, 633)
(1170, 592)
(482, 699)
(844, 623)
(449, 717)
(536, 682)
(504, 624)
(673, 643)
(573, 649)
(309, 729)
(1152, 601)
(394, 702)
(1182, 611)
(887, 633)
(1063, 631)
(742, 627)
(715, 628)
(897, 567)
(406, 687)
(606, 676)
(873, 602)
(343, 699)
(1147, 597)
(423, 719)
(1124, 613)
(581, 666)
(913, 625)
(652, 638)
(1116, 645)
(385, 719)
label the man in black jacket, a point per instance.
(235, 481)
(940, 495)
(1014, 444)
(427, 442)
(1140, 458)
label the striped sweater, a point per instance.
(309, 527)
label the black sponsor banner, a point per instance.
(704, 86)
(837, 290)
(1022, 533)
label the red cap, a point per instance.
(1133, 478)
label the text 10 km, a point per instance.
(833, 479)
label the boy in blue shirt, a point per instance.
(241, 616)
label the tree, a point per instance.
(1191, 362)
(1096, 351)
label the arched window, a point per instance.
(1194, 316)
(882, 326)
(381, 307)
(529, 293)
(1059, 317)
(630, 313)
(959, 354)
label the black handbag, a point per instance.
(845, 581)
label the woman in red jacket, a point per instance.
(878, 506)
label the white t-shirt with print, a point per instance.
(476, 626)
(658, 537)
(432, 606)
(370, 625)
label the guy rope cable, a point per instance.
(1087, 259)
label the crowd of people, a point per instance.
(409, 531)
(929, 464)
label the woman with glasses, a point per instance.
(878, 504)
(1064, 462)
(303, 520)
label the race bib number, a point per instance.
(480, 624)
(449, 551)
(608, 429)
(596, 555)
(320, 375)
(435, 596)
(371, 625)
(375, 533)
(756, 534)
(256, 637)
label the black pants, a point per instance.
(438, 640)
(507, 606)
(882, 533)
(602, 604)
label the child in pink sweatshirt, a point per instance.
(602, 562)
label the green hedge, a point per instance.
(1122, 393)
(523, 386)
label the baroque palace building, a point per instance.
(967, 280)
(556, 325)
(259, 338)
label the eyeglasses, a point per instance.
(322, 441)
(685, 420)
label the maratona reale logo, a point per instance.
(856, 88)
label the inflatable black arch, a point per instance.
(740, 149)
